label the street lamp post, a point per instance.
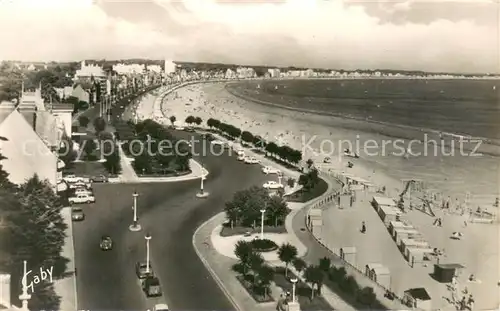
(202, 193)
(294, 281)
(148, 238)
(24, 297)
(135, 226)
(262, 224)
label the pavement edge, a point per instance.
(210, 270)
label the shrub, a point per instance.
(366, 296)
(264, 245)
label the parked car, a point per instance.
(161, 307)
(140, 270)
(73, 178)
(83, 191)
(77, 214)
(151, 286)
(272, 185)
(81, 198)
(242, 157)
(80, 184)
(106, 243)
(189, 129)
(251, 160)
(270, 170)
(98, 178)
(179, 128)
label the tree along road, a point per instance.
(106, 280)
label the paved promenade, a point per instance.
(66, 287)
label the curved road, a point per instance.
(171, 213)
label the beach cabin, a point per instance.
(418, 253)
(345, 200)
(389, 213)
(417, 298)
(413, 242)
(316, 225)
(379, 273)
(348, 253)
(393, 225)
(378, 202)
(404, 233)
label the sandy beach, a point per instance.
(448, 175)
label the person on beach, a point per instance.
(363, 227)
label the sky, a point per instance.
(431, 35)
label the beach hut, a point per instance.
(404, 233)
(345, 200)
(378, 202)
(348, 254)
(378, 273)
(393, 225)
(316, 225)
(417, 253)
(389, 213)
(417, 241)
(417, 298)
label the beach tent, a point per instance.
(417, 298)
(404, 233)
(348, 253)
(377, 202)
(378, 273)
(444, 273)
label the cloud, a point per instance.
(310, 33)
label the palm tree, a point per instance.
(287, 253)
(172, 119)
(278, 209)
(198, 121)
(299, 264)
(189, 120)
(314, 276)
(243, 250)
(265, 275)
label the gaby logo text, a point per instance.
(36, 278)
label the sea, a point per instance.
(445, 133)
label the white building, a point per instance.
(87, 71)
(230, 74)
(154, 68)
(245, 73)
(123, 69)
(169, 67)
(274, 72)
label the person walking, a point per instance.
(363, 227)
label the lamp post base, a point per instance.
(293, 306)
(135, 227)
(202, 194)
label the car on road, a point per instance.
(242, 157)
(151, 286)
(141, 270)
(179, 128)
(251, 160)
(83, 191)
(98, 178)
(272, 185)
(77, 214)
(80, 184)
(270, 170)
(81, 198)
(161, 307)
(106, 243)
(74, 179)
